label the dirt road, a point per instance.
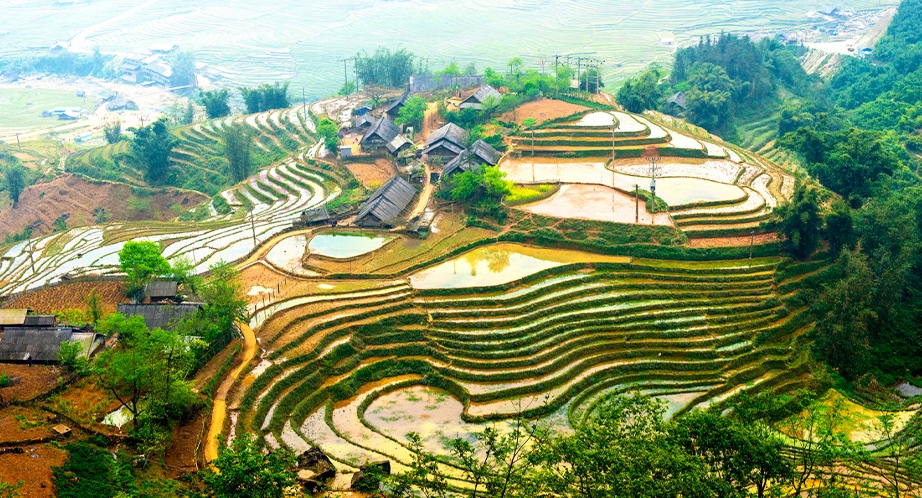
(219, 410)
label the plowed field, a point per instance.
(70, 296)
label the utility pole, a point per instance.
(345, 75)
(253, 226)
(303, 104)
(31, 260)
(636, 203)
(752, 241)
(568, 74)
(18, 144)
(355, 71)
(598, 75)
(556, 77)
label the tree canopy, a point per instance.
(215, 102)
(151, 148)
(266, 97)
(141, 261)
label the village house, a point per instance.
(384, 207)
(476, 99)
(471, 158)
(162, 316)
(446, 142)
(41, 344)
(379, 135)
(393, 110)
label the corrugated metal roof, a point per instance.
(315, 215)
(13, 317)
(163, 316)
(35, 344)
(384, 129)
(388, 201)
(450, 132)
(397, 143)
(161, 289)
(40, 321)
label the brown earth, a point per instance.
(372, 175)
(180, 457)
(542, 110)
(40, 205)
(85, 403)
(20, 424)
(70, 296)
(33, 468)
(33, 381)
(745, 240)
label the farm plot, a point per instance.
(508, 327)
(596, 202)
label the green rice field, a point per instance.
(21, 108)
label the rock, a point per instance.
(908, 390)
(368, 478)
(313, 457)
(315, 470)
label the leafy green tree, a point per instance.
(224, 298)
(15, 178)
(329, 132)
(70, 356)
(799, 221)
(215, 102)
(516, 66)
(452, 69)
(423, 477)
(141, 261)
(470, 69)
(348, 88)
(112, 131)
(183, 64)
(238, 142)
(412, 113)
(385, 67)
(266, 97)
(709, 99)
(243, 470)
(94, 307)
(486, 184)
(151, 148)
(643, 91)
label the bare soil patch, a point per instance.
(745, 240)
(543, 110)
(33, 468)
(181, 456)
(40, 205)
(70, 296)
(372, 175)
(20, 424)
(86, 404)
(33, 381)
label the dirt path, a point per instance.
(219, 410)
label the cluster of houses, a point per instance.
(150, 69)
(448, 150)
(36, 339)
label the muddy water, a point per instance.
(596, 202)
(288, 252)
(346, 245)
(498, 264)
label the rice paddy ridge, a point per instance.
(579, 332)
(614, 141)
(274, 197)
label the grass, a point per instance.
(526, 193)
(21, 108)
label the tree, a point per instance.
(422, 476)
(452, 69)
(328, 131)
(215, 102)
(515, 65)
(642, 92)
(94, 307)
(385, 68)
(224, 298)
(709, 100)
(799, 221)
(183, 64)
(141, 261)
(238, 142)
(70, 356)
(151, 148)
(412, 113)
(266, 97)
(15, 182)
(112, 131)
(470, 69)
(845, 316)
(243, 470)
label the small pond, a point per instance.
(680, 191)
(288, 252)
(498, 264)
(346, 245)
(119, 417)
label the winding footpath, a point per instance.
(219, 410)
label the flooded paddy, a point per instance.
(346, 245)
(288, 252)
(498, 264)
(595, 202)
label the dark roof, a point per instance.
(451, 132)
(36, 344)
(163, 316)
(399, 143)
(364, 119)
(397, 104)
(452, 147)
(485, 152)
(315, 215)
(384, 129)
(388, 201)
(677, 99)
(157, 290)
(40, 321)
(476, 99)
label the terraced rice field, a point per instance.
(712, 189)
(274, 198)
(507, 329)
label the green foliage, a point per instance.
(71, 358)
(243, 470)
(112, 131)
(141, 261)
(91, 471)
(15, 181)
(708, 101)
(183, 64)
(385, 68)
(215, 102)
(412, 113)
(329, 131)
(5, 380)
(266, 97)
(238, 142)
(799, 221)
(151, 148)
(25, 234)
(94, 307)
(643, 91)
(348, 88)
(10, 490)
(220, 205)
(60, 223)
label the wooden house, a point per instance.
(393, 109)
(476, 99)
(384, 206)
(379, 135)
(471, 158)
(447, 142)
